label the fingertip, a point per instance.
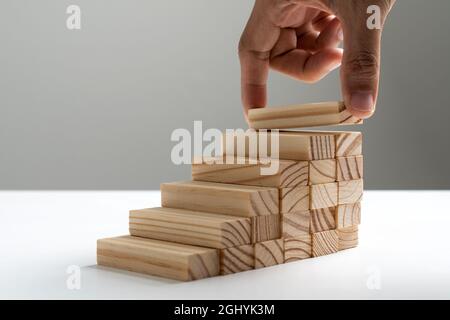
(361, 104)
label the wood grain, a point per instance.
(292, 145)
(266, 227)
(298, 116)
(159, 258)
(269, 253)
(295, 224)
(322, 171)
(191, 227)
(350, 168)
(348, 237)
(323, 195)
(221, 198)
(323, 219)
(348, 144)
(350, 191)
(237, 259)
(294, 199)
(290, 173)
(297, 248)
(348, 215)
(324, 243)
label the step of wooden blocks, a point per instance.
(233, 218)
(300, 116)
(191, 227)
(158, 258)
(237, 200)
(298, 145)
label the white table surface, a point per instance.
(404, 252)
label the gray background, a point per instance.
(94, 108)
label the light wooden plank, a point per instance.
(348, 144)
(298, 116)
(350, 191)
(159, 258)
(348, 237)
(269, 253)
(348, 215)
(221, 198)
(292, 145)
(289, 174)
(323, 195)
(324, 243)
(323, 219)
(297, 248)
(237, 259)
(191, 227)
(295, 224)
(350, 168)
(266, 227)
(322, 171)
(294, 199)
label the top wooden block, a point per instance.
(300, 116)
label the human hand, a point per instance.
(300, 38)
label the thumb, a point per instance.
(360, 69)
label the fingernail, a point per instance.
(362, 101)
(340, 35)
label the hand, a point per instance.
(300, 38)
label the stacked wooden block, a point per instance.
(231, 218)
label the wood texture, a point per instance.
(221, 198)
(348, 215)
(298, 116)
(237, 259)
(323, 195)
(300, 146)
(323, 219)
(159, 258)
(294, 199)
(290, 173)
(348, 144)
(191, 227)
(348, 237)
(322, 171)
(266, 227)
(349, 168)
(350, 191)
(324, 243)
(269, 253)
(297, 248)
(295, 224)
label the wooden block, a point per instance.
(290, 173)
(266, 228)
(297, 248)
(269, 253)
(300, 146)
(323, 219)
(350, 191)
(294, 199)
(323, 195)
(322, 171)
(350, 168)
(237, 259)
(298, 116)
(191, 227)
(348, 144)
(295, 224)
(324, 243)
(348, 237)
(221, 198)
(348, 215)
(159, 258)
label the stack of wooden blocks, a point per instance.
(230, 218)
